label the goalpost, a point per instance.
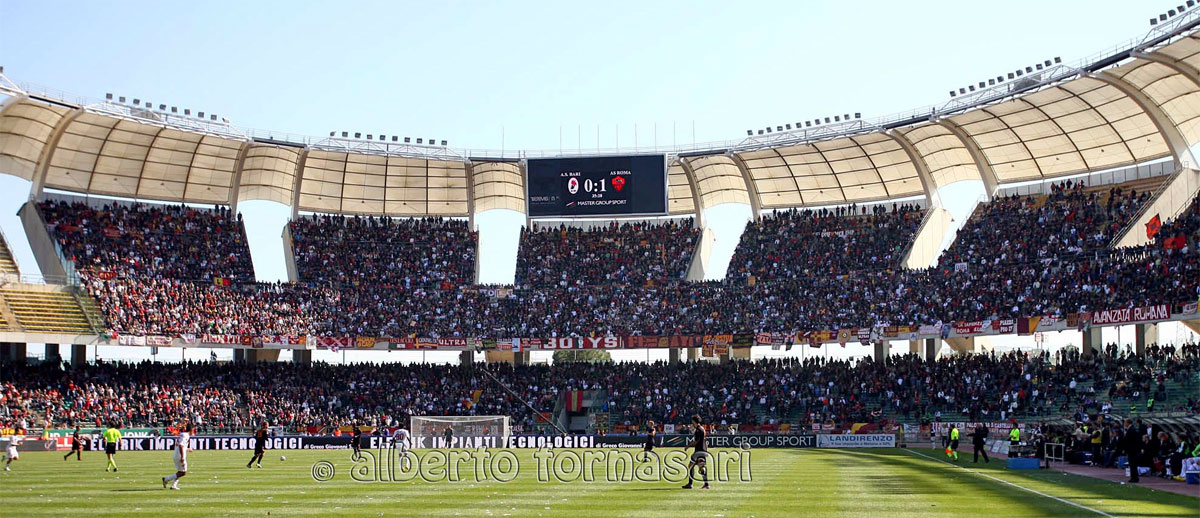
(460, 426)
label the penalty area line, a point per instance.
(1018, 486)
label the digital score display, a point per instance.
(633, 185)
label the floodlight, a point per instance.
(331, 133)
(788, 126)
(1057, 60)
(857, 115)
(826, 120)
(407, 140)
(395, 138)
(418, 140)
(345, 134)
(443, 142)
(357, 135)
(749, 133)
(807, 124)
(108, 96)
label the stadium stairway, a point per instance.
(46, 309)
(8, 264)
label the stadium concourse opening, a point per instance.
(820, 319)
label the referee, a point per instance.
(112, 436)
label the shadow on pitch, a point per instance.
(137, 489)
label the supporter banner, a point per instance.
(864, 335)
(506, 344)
(928, 330)
(131, 340)
(158, 341)
(1189, 309)
(364, 342)
(856, 441)
(774, 339)
(335, 344)
(644, 342)
(221, 339)
(1121, 316)
(449, 343)
(602, 342)
(1003, 326)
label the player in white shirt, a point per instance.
(13, 454)
(402, 441)
(179, 456)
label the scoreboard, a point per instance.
(596, 186)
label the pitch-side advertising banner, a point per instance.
(857, 441)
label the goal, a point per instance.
(461, 426)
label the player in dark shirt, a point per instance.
(354, 441)
(650, 433)
(76, 446)
(700, 455)
(260, 445)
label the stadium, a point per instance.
(987, 305)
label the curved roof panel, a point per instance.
(679, 190)
(498, 185)
(25, 128)
(360, 183)
(1177, 95)
(1078, 126)
(865, 167)
(269, 172)
(718, 179)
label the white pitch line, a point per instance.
(1018, 486)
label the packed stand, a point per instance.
(626, 253)
(980, 387)
(151, 241)
(625, 280)
(794, 244)
(384, 252)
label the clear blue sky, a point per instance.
(470, 72)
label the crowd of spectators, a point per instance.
(384, 252)
(151, 241)
(979, 387)
(797, 244)
(627, 253)
(1017, 256)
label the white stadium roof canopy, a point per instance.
(1139, 104)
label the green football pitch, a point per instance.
(883, 483)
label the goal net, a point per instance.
(460, 426)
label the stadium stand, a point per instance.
(618, 253)
(396, 283)
(801, 243)
(754, 395)
(152, 241)
(424, 252)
